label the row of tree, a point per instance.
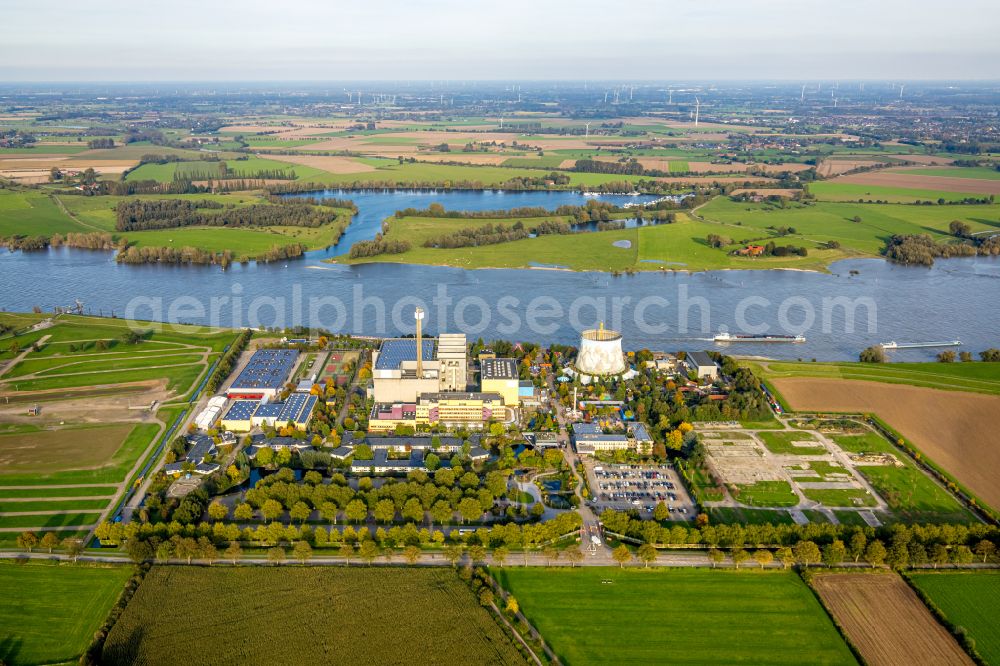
(145, 214)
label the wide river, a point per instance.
(861, 302)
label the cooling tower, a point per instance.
(600, 352)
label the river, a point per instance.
(955, 299)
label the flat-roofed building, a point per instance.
(500, 375)
(399, 376)
(449, 408)
(238, 418)
(702, 365)
(264, 375)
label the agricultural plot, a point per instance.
(50, 612)
(594, 615)
(970, 600)
(974, 377)
(825, 220)
(796, 443)
(886, 621)
(326, 615)
(954, 429)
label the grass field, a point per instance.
(970, 600)
(976, 377)
(822, 221)
(886, 621)
(50, 612)
(676, 616)
(681, 245)
(75, 455)
(784, 442)
(766, 493)
(911, 494)
(32, 213)
(326, 615)
(177, 356)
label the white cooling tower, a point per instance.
(600, 352)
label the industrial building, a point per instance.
(245, 415)
(702, 365)
(450, 409)
(600, 352)
(400, 373)
(264, 375)
(590, 438)
(500, 375)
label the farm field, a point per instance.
(954, 429)
(892, 192)
(906, 179)
(978, 173)
(32, 213)
(327, 615)
(824, 220)
(675, 616)
(50, 612)
(886, 621)
(968, 599)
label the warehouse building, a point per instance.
(500, 375)
(702, 365)
(245, 415)
(264, 375)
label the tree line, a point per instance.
(145, 214)
(898, 545)
(194, 255)
(488, 234)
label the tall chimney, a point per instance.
(418, 314)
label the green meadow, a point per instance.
(50, 612)
(596, 615)
(970, 600)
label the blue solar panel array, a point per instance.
(241, 410)
(396, 350)
(269, 410)
(267, 369)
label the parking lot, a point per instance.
(639, 487)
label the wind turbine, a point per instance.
(501, 122)
(802, 95)
(587, 125)
(697, 109)
(670, 98)
(901, 91)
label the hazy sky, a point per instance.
(141, 40)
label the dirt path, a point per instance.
(20, 357)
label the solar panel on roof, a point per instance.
(267, 368)
(396, 350)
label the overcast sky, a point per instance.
(140, 40)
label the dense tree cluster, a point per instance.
(193, 255)
(921, 249)
(103, 142)
(489, 234)
(145, 214)
(377, 246)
